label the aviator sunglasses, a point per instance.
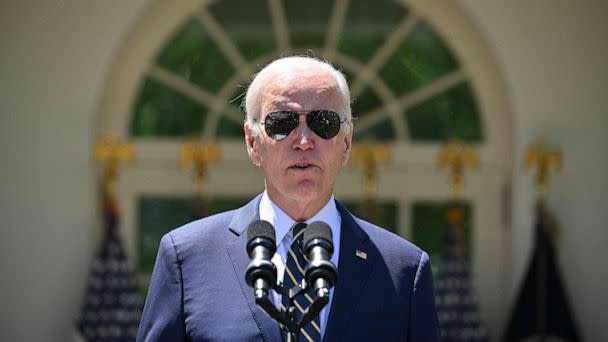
(324, 123)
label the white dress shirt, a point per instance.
(282, 223)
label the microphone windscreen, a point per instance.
(261, 228)
(317, 230)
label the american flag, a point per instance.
(542, 310)
(112, 304)
(457, 310)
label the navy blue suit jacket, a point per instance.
(198, 290)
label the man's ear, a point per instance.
(348, 140)
(251, 142)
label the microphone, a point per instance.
(320, 273)
(261, 273)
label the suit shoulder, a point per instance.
(198, 232)
(392, 245)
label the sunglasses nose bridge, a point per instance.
(302, 132)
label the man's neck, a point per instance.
(299, 211)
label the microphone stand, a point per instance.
(288, 321)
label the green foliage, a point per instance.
(229, 129)
(420, 59)
(429, 225)
(252, 32)
(381, 213)
(159, 215)
(452, 114)
(367, 27)
(193, 55)
(161, 111)
(308, 22)
(366, 102)
(382, 131)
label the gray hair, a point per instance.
(251, 103)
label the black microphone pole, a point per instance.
(320, 273)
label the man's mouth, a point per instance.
(301, 166)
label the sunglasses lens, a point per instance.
(279, 124)
(325, 123)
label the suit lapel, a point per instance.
(235, 247)
(354, 265)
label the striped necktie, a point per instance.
(294, 273)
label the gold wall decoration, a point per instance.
(542, 158)
(370, 156)
(199, 154)
(457, 157)
(110, 152)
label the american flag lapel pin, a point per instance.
(361, 254)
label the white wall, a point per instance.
(553, 55)
(54, 57)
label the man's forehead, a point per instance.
(305, 92)
(294, 84)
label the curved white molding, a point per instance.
(478, 63)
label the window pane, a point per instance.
(420, 59)
(193, 55)
(382, 131)
(308, 21)
(380, 213)
(161, 111)
(367, 26)
(229, 129)
(252, 33)
(429, 224)
(452, 114)
(366, 102)
(159, 215)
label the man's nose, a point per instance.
(303, 135)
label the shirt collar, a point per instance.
(282, 222)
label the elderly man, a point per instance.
(299, 131)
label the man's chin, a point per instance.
(305, 195)
(303, 191)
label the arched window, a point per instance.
(406, 83)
